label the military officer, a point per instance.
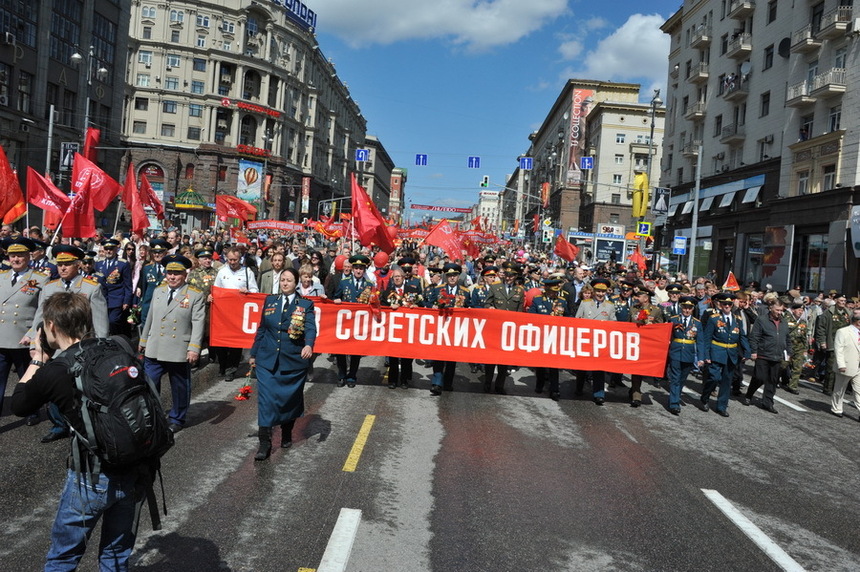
(534, 278)
(643, 312)
(596, 308)
(549, 303)
(832, 319)
(508, 296)
(721, 345)
(448, 295)
(202, 278)
(407, 264)
(88, 265)
(798, 342)
(623, 303)
(68, 260)
(355, 288)
(152, 275)
(20, 293)
(673, 306)
(172, 335)
(115, 277)
(682, 350)
(40, 262)
(479, 291)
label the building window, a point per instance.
(765, 104)
(168, 130)
(619, 159)
(828, 177)
(223, 90)
(228, 27)
(226, 46)
(197, 86)
(771, 11)
(724, 44)
(194, 133)
(149, 12)
(251, 26)
(141, 103)
(620, 137)
(195, 110)
(25, 89)
(174, 36)
(202, 21)
(201, 41)
(835, 118)
(614, 218)
(616, 198)
(721, 84)
(168, 107)
(142, 80)
(139, 127)
(768, 57)
(144, 57)
(802, 182)
(222, 172)
(147, 32)
(616, 179)
(813, 262)
(177, 16)
(171, 82)
(172, 61)
(806, 125)
(839, 58)
(718, 126)
(199, 64)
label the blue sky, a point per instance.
(459, 78)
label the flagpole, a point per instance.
(116, 219)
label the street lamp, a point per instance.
(101, 74)
(655, 103)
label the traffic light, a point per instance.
(485, 181)
(547, 235)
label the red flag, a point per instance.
(91, 141)
(731, 283)
(564, 249)
(10, 188)
(536, 223)
(444, 237)
(228, 206)
(476, 224)
(41, 192)
(516, 227)
(637, 258)
(469, 245)
(80, 221)
(368, 221)
(131, 198)
(544, 194)
(101, 187)
(149, 199)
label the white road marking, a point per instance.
(754, 533)
(339, 546)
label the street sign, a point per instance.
(67, 154)
(474, 162)
(586, 163)
(643, 229)
(679, 245)
(421, 160)
(547, 222)
(526, 163)
(362, 155)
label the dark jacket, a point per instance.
(769, 340)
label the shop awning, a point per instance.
(672, 209)
(751, 195)
(727, 199)
(688, 207)
(707, 203)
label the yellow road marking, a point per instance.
(358, 446)
(307, 570)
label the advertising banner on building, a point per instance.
(250, 181)
(776, 263)
(306, 194)
(509, 338)
(579, 107)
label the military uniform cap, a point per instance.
(39, 244)
(600, 284)
(159, 245)
(452, 268)
(490, 258)
(90, 255)
(434, 270)
(67, 253)
(688, 301)
(723, 297)
(110, 243)
(17, 245)
(406, 261)
(359, 260)
(489, 270)
(176, 263)
(674, 288)
(203, 253)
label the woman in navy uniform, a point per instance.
(682, 350)
(282, 352)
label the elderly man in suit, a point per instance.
(400, 294)
(172, 335)
(20, 293)
(70, 280)
(846, 349)
(509, 296)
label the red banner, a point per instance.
(511, 338)
(440, 209)
(275, 225)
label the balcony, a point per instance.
(691, 149)
(695, 111)
(740, 10)
(699, 73)
(803, 41)
(835, 23)
(701, 37)
(735, 89)
(732, 134)
(740, 47)
(798, 95)
(674, 73)
(829, 83)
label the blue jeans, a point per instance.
(81, 506)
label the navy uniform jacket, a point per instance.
(115, 277)
(432, 299)
(45, 268)
(683, 346)
(273, 347)
(478, 295)
(720, 341)
(350, 289)
(543, 305)
(622, 308)
(150, 279)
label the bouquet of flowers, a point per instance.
(557, 307)
(297, 323)
(412, 300)
(134, 315)
(244, 393)
(643, 317)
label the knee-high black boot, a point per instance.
(287, 434)
(265, 449)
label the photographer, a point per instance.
(67, 320)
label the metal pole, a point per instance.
(695, 226)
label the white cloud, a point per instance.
(474, 25)
(637, 51)
(570, 49)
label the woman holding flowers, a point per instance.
(282, 353)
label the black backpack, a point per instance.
(124, 423)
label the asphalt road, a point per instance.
(470, 481)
